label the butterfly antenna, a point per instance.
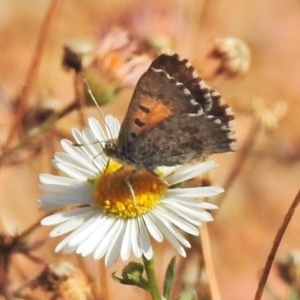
(93, 97)
(96, 103)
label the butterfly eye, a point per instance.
(110, 148)
(110, 144)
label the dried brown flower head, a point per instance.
(65, 281)
(234, 56)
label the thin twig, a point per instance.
(241, 158)
(103, 281)
(32, 71)
(79, 97)
(46, 125)
(31, 228)
(209, 266)
(276, 243)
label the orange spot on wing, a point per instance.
(158, 112)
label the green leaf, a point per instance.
(293, 294)
(169, 279)
(188, 295)
(132, 274)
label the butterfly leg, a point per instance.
(164, 181)
(94, 161)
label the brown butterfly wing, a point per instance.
(170, 100)
(184, 72)
(156, 97)
(181, 139)
(210, 100)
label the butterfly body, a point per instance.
(173, 118)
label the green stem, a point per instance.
(152, 282)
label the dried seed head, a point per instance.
(65, 281)
(77, 54)
(289, 269)
(234, 56)
(270, 118)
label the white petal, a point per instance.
(191, 215)
(76, 155)
(68, 161)
(165, 171)
(63, 245)
(75, 173)
(152, 228)
(112, 126)
(83, 233)
(87, 143)
(144, 239)
(67, 249)
(208, 205)
(75, 151)
(115, 246)
(71, 225)
(136, 248)
(127, 240)
(103, 247)
(66, 227)
(178, 221)
(87, 154)
(195, 216)
(97, 130)
(65, 216)
(91, 145)
(84, 189)
(187, 172)
(65, 158)
(79, 138)
(175, 238)
(59, 180)
(44, 206)
(64, 200)
(168, 233)
(192, 203)
(93, 241)
(195, 192)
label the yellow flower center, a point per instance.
(127, 192)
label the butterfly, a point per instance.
(173, 118)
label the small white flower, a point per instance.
(105, 219)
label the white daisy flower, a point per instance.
(105, 218)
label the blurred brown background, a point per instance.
(253, 209)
